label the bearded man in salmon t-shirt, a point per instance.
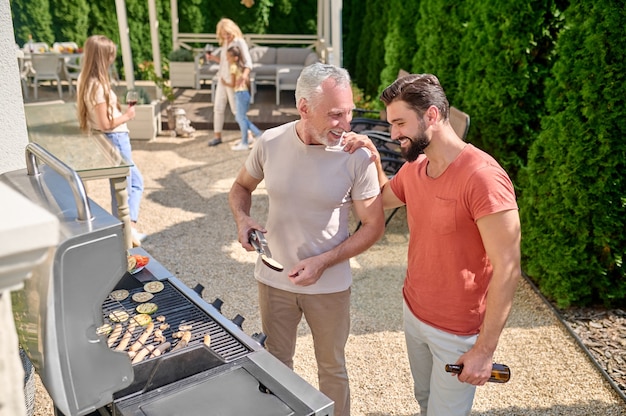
(464, 247)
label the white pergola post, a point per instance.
(174, 13)
(127, 56)
(335, 30)
(154, 37)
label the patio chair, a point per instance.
(390, 158)
(71, 69)
(46, 67)
(24, 68)
(460, 122)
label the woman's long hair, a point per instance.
(227, 26)
(98, 54)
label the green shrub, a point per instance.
(574, 200)
(181, 55)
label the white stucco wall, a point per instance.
(13, 135)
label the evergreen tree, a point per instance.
(70, 20)
(501, 76)
(32, 17)
(353, 16)
(290, 16)
(574, 201)
(400, 43)
(438, 33)
(370, 58)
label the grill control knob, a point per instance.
(198, 289)
(217, 304)
(238, 320)
(259, 337)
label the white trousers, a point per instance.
(223, 95)
(429, 349)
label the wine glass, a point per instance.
(132, 97)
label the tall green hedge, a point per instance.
(438, 33)
(400, 42)
(574, 201)
(353, 16)
(501, 74)
(70, 20)
(370, 57)
(32, 17)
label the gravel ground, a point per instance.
(191, 232)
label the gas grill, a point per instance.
(62, 308)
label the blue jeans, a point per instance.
(242, 98)
(121, 141)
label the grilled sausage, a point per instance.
(117, 331)
(143, 338)
(145, 351)
(160, 349)
(127, 336)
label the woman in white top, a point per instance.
(99, 110)
(228, 34)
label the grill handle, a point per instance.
(34, 151)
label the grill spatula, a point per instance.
(258, 241)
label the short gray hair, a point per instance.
(312, 76)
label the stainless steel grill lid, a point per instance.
(56, 317)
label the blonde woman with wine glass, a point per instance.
(228, 34)
(100, 111)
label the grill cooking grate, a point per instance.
(178, 310)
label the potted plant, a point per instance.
(148, 72)
(182, 68)
(147, 121)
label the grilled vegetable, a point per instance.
(142, 319)
(117, 331)
(141, 297)
(104, 329)
(143, 338)
(127, 336)
(118, 315)
(159, 338)
(183, 341)
(153, 287)
(119, 295)
(148, 308)
(132, 263)
(147, 350)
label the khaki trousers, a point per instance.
(328, 316)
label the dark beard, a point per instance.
(416, 148)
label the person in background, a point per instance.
(99, 111)
(312, 187)
(464, 245)
(228, 34)
(242, 96)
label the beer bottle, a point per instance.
(500, 373)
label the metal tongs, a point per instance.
(258, 241)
